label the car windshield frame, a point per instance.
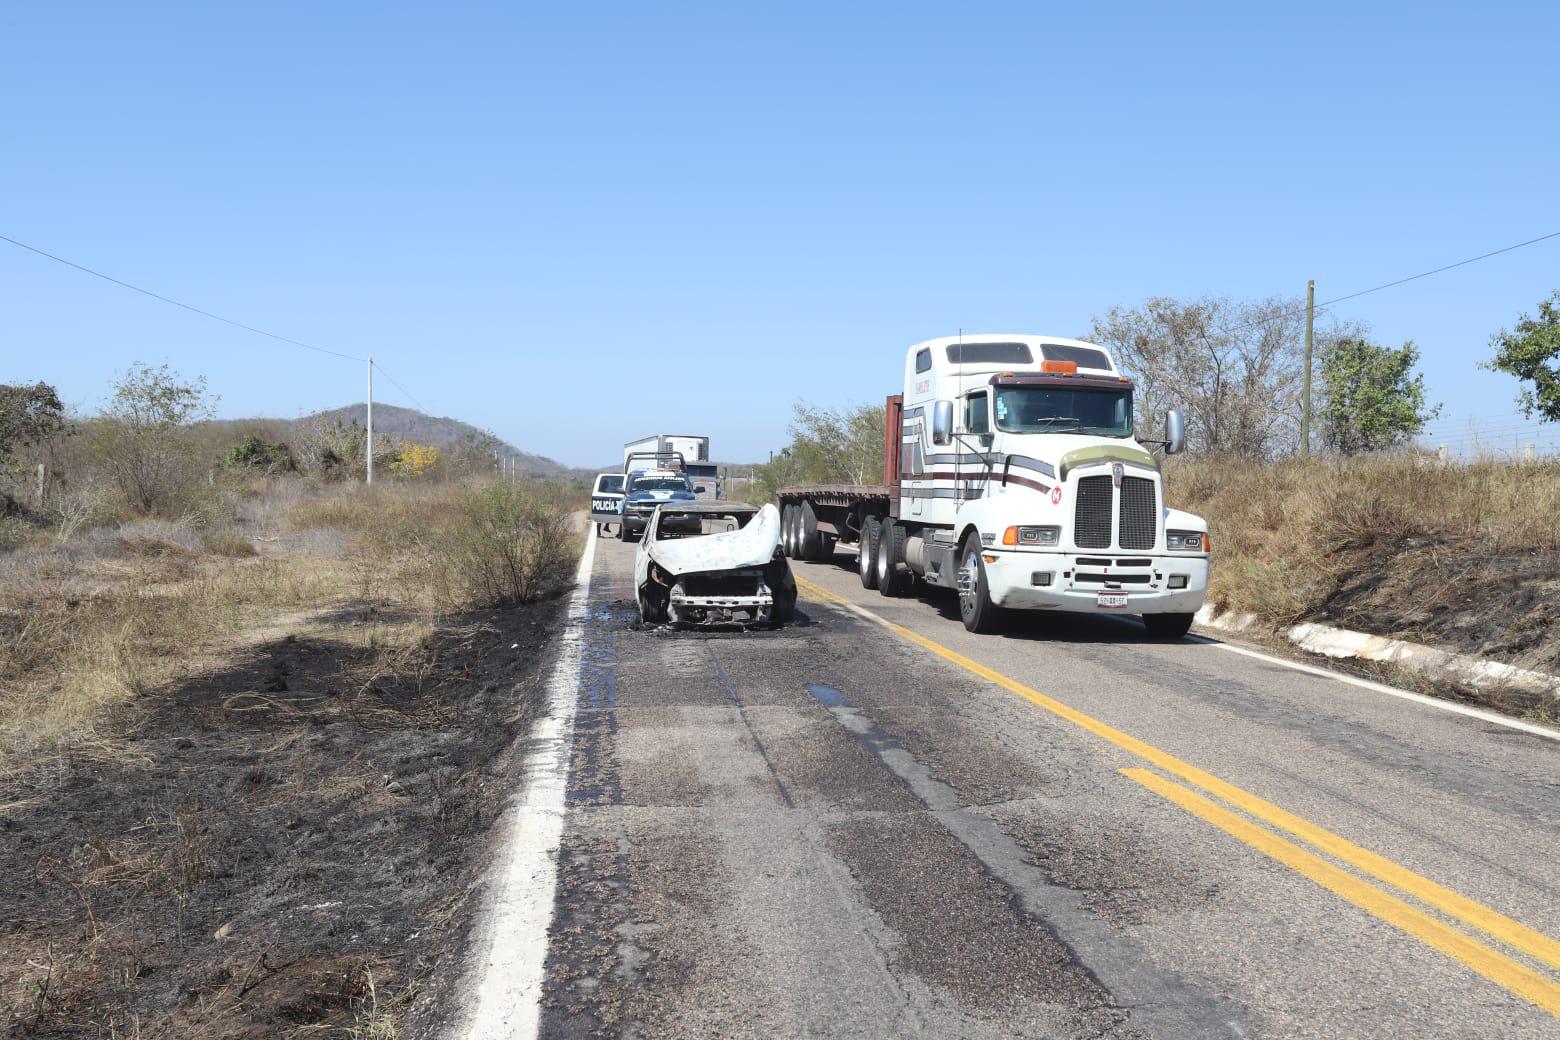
(1062, 416)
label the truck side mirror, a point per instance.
(942, 422)
(1175, 432)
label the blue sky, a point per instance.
(577, 225)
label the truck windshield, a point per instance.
(609, 482)
(660, 484)
(1063, 409)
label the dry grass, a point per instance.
(92, 618)
(1284, 535)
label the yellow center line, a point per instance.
(1502, 970)
(1498, 926)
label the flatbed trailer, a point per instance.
(816, 517)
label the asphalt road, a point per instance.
(847, 829)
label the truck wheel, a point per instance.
(866, 556)
(1168, 626)
(809, 541)
(788, 532)
(975, 606)
(622, 532)
(892, 578)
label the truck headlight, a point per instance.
(1032, 536)
(1186, 541)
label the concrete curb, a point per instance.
(1430, 661)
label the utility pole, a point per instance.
(1305, 392)
(370, 451)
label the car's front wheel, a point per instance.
(652, 608)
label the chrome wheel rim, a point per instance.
(969, 579)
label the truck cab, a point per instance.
(644, 491)
(1022, 485)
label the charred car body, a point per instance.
(713, 563)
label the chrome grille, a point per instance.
(1139, 515)
(1091, 516)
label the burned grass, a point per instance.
(1462, 556)
(278, 847)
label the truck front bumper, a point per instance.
(1059, 581)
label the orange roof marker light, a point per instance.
(1061, 368)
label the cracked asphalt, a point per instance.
(831, 831)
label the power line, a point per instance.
(178, 303)
(208, 314)
(1401, 281)
(393, 382)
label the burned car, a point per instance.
(713, 563)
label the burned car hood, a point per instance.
(751, 546)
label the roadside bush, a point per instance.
(143, 438)
(254, 453)
(508, 544)
(227, 543)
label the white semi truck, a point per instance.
(1013, 477)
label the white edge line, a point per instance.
(506, 1001)
(1391, 691)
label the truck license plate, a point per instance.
(1114, 600)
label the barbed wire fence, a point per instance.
(1509, 437)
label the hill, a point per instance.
(441, 432)
(395, 423)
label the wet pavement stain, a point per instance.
(593, 957)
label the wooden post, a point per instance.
(1305, 392)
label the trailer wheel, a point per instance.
(892, 578)
(1168, 626)
(788, 531)
(810, 541)
(975, 606)
(866, 556)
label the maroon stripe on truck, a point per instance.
(1012, 478)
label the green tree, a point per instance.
(1531, 352)
(142, 436)
(828, 446)
(1371, 397)
(28, 415)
